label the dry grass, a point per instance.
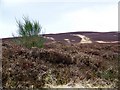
(59, 64)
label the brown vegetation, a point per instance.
(58, 63)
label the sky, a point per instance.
(59, 16)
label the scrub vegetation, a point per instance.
(59, 64)
(27, 64)
(30, 33)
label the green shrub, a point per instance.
(30, 33)
(108, 75)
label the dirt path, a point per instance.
(107, 41)
(86, 84)
(84, 38)
(69, 85)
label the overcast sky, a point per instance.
(58, 16)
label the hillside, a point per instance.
(70, 60)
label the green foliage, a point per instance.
(30, 33)
(108, 74)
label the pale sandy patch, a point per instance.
(84, 38)
(50, 38)
(78, 85)
(67, 40)
(86, 84)
(107, 41)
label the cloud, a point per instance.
(92, 20)
(87, 19)
(7, 29)
(21, 1)
(61, 17)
